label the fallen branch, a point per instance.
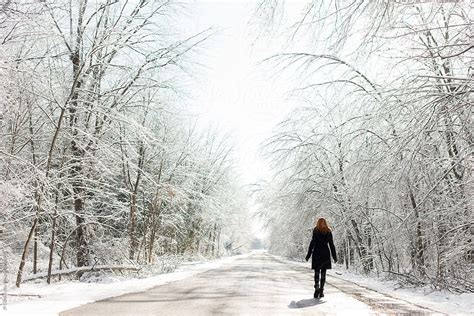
(80, 269)
(409, 278)
(35, 295)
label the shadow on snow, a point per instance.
(305, 303)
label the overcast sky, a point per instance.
(235, 92)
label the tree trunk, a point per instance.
(24, 255)
(419, 255)
(35, 249)
(133, 226)
(77, 152)
(51, 250)
(5, 268)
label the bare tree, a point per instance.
(383, 152)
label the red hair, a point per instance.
(322, 226)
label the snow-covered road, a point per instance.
(259, 284)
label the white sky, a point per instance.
(234, 92)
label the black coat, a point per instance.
(319, 250)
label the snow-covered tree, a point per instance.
(98, 164)
(383, 143)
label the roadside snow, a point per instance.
(440, 301)
(65, 295)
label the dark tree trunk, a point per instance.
(419, 255)
(77, 152)
(133, 226)
(24, 255)
(35, 250)
(51, 250)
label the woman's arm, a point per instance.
(310, 249)
(333, 249)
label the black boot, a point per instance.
(323, 281)
(317, 292)
(316, 283)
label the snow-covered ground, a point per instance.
(61, 296)
(65, 295)
(441, 301)
(255, 285)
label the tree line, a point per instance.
(99, 165)
(382, 141)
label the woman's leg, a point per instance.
(316, 278)
(323, 278)
(323, 281)
(316, 283)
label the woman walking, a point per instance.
(322, 237)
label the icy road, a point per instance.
(259, 284)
